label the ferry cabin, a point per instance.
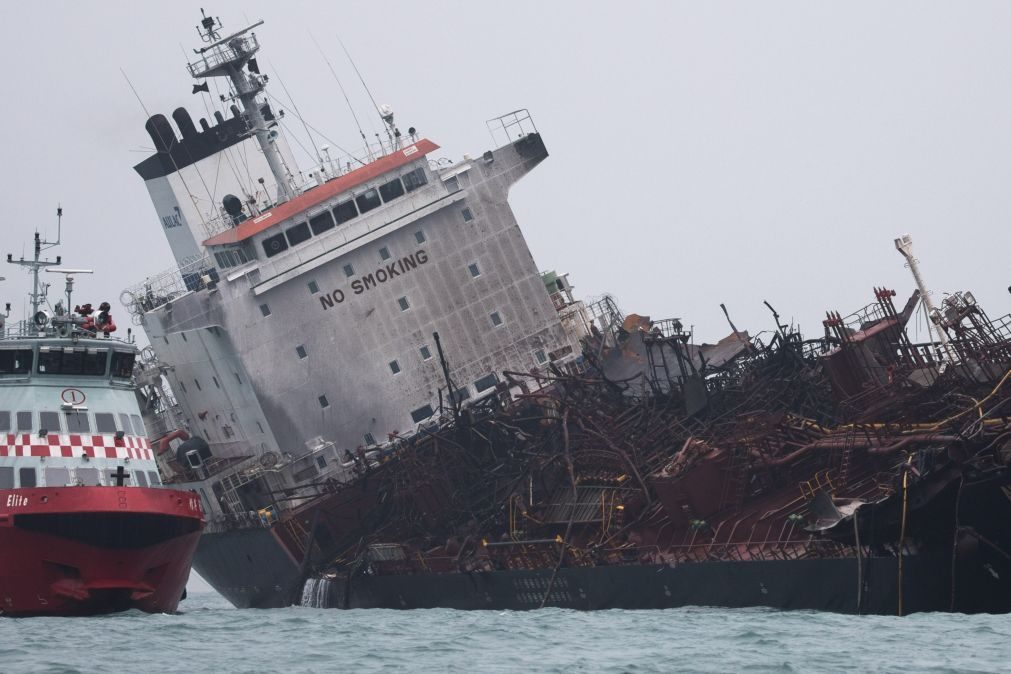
(69, 415)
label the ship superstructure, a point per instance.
(298, 329)
(85, 523)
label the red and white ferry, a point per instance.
(86, 526)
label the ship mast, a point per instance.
(36, 264)
(227, 57)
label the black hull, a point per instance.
(807, 584)
(249, 567)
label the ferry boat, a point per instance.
(86, 525)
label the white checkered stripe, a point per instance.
(74, 445)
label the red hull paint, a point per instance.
(90, 550)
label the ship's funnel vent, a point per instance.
(184, 122)
(161, 133)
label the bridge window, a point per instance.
(391, 190)
(369, 439)
(5, 421)
(426, 353)
(49, 422)
(486, 382)
(87, 476)
(298, 234)
(321, 223)
(105, 422)
(24, 421)
(77, 422)
(345, 211)
(138, 424)
(153, 478)
(140, 478)
(15, 361)
(122, 364)
(414, 179)
(6, 477)
(422, 413)
(540, 356)
(57, 477)
(70, 361)
(368, 200)
(27, 477)
(273, 245)
(124, 421)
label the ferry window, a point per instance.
(140, 478)
(349, 270)
(323, 402)
(344, 212)
(87, 476)
(105, 422)
(77, 422)
(391, 190)
(27, 477)
(15, 361)
(122, 364)
(467, 215)
(138, 424)
(419, 236)
(313, 287)
(496, 319)
(298, 234)
(422, 413)
(369, 439)
(384, 253)
(485, 383)
(124, 421)
(154, 478)
(5, 421)
(394, 367)
(71, 361)
(426, 353)
(221, 260)
(451, 183)
(459, 395)
(57, 477)
(404, 304)
(24, 421)
(414, 179)
(265, 310)
(367, 201)
(540, 356)
(473, 269)
(321, 461)
(273, 245)
(321, 223)
(49, 422)
(300, 350)
(6, 477)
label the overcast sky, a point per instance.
(701, 152)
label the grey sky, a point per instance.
(700, 152)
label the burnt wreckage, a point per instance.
(855, 472)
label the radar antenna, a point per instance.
(904, 244)
(233, 56)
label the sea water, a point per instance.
(211, 636)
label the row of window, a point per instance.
(231, 257)
(74, 361)
(71, 421)
(56, 476)
(343, 212)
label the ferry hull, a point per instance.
(78, 551)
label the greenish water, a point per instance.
(211, 636)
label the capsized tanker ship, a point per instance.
(364, 375)
(86, 525)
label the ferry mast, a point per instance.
(230, 57)
(39, 289)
